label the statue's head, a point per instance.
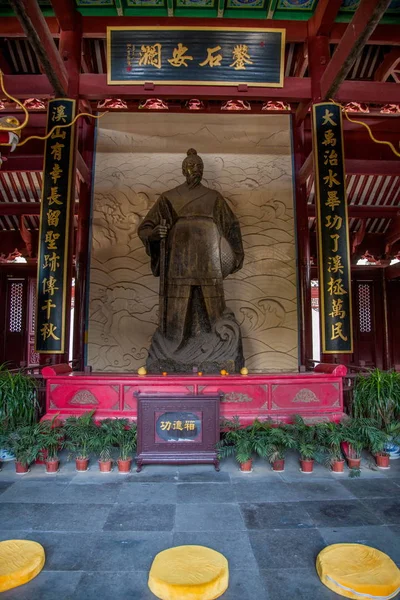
(192, 168)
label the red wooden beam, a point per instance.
(354, 166)
(384, 35)
(393, 271)
(20, 162)
(42, 42)
(373, 91)
(10, 27)
(96, 27)
(95, 87)
(319, 54)
(306, 168)
(388, 65)
(364, 211)
(66, 13)
(83, 168)
(365, 19)
(324, 17)
(301, 61)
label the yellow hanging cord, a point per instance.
(37, 137)
(371, 135)
(19, 127)
(45, 137)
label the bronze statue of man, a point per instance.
(203, 245)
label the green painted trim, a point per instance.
(220, 8)
(298, 15)
(271, 9)
(119, 7)
(386, 19)
(170, 8)
(107, 11)
(247, 8)
(146, 12)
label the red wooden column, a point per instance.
(82, 250)
(303, 249)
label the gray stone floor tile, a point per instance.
(91, 493)
(200, 493)
(64, 551)
(281, 515)
(17, 516)
(371, 488)
(208, 476)
(386, 509)
(381, 537)
(113, 586)
(4, 485)
(262, 491)
(147, 493)
(147, 476)
(141, 517)
(285, 549)
(341, 513)
(33, 491)
(69, 517)
(299, 584)
(245, 585)
(234, 545)
(321, 489)
(127, 551)
(48, 585)
(208, 517)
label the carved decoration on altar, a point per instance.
(305, 395)
(248, 160)
(83, 397)
(234, 397)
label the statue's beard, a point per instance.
(193, 180)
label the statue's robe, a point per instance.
(203, 246)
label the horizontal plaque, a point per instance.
(195, 55)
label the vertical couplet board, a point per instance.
(333, 230)
(177, 429)
(54, 228)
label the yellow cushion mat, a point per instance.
(20, 561)
(189, 573)
(358, 571)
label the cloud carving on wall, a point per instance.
(247, 159)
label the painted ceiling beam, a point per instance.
(363, 211)
(324, 16)
(390, 63)
(66, 13)
(363, 23)
(41, 40)
(381, 36)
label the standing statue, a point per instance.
(194, 242)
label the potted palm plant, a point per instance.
(379, 439)
(126, 439)
(306, 443)
(18, 398)
(241, 442)
(278, 441)
(330, 436)
(81, 433)
(52, 442)
(25, 442)
(107, 437)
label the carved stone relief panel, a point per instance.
(248, 159)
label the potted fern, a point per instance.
(80, 440)
(278, 441)
(379, 439)
(52, 442)
(306, 443)
(107, 437)
(126, 440)
(25, 442)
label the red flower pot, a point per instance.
(105, 466)
(52, 466)
(247, 466)
(278, 465)
(307, 466)
(382, 461)
(353, 463)
(124, 466)
(81, 464)
(338, 466)
(21, 467)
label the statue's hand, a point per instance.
(159, 232)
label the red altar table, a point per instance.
(315, 396)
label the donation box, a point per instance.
(177, 429)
